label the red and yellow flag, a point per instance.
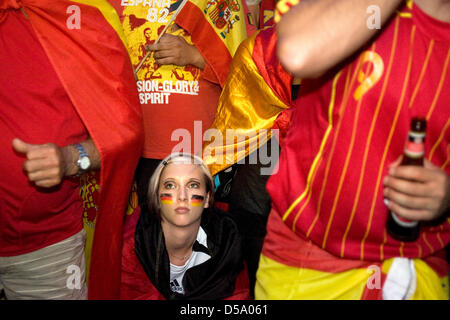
(256, 91)
(217, 27)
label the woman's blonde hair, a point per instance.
(153, 200)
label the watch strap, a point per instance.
(82, 152)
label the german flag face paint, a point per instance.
(166, 198)
(197, 200)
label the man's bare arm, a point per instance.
(316, 35)
(438, 9)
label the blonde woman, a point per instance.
(182, 246)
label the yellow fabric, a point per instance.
(282, 7)
(276, 281)
(89, 190)
(429, 285)
(242, 111)
(88, 246)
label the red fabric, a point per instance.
(438, 262)
(337, 175)
(222, 205)
(267, 13)
(250, 28)
(135, 283)
(292, 250)
(93, 67)
(375, 293)
(9, 4)
(282, 123)
(277, 78)
(161, 121)
(265, 57)
(32, 98)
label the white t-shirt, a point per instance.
(177, 272)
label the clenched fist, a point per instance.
(46, 164)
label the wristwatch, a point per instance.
(83, 162)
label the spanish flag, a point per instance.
(217, 27)
(92, 63)
(257, 90)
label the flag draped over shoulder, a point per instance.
(93, 65)
(256, 91)
(217, 27)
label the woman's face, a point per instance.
(182, 194)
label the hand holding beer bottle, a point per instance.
(414, 192)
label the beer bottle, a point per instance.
(400, 228)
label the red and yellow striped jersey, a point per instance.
(348, 126)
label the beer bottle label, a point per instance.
(415, 145)
(404, 222)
